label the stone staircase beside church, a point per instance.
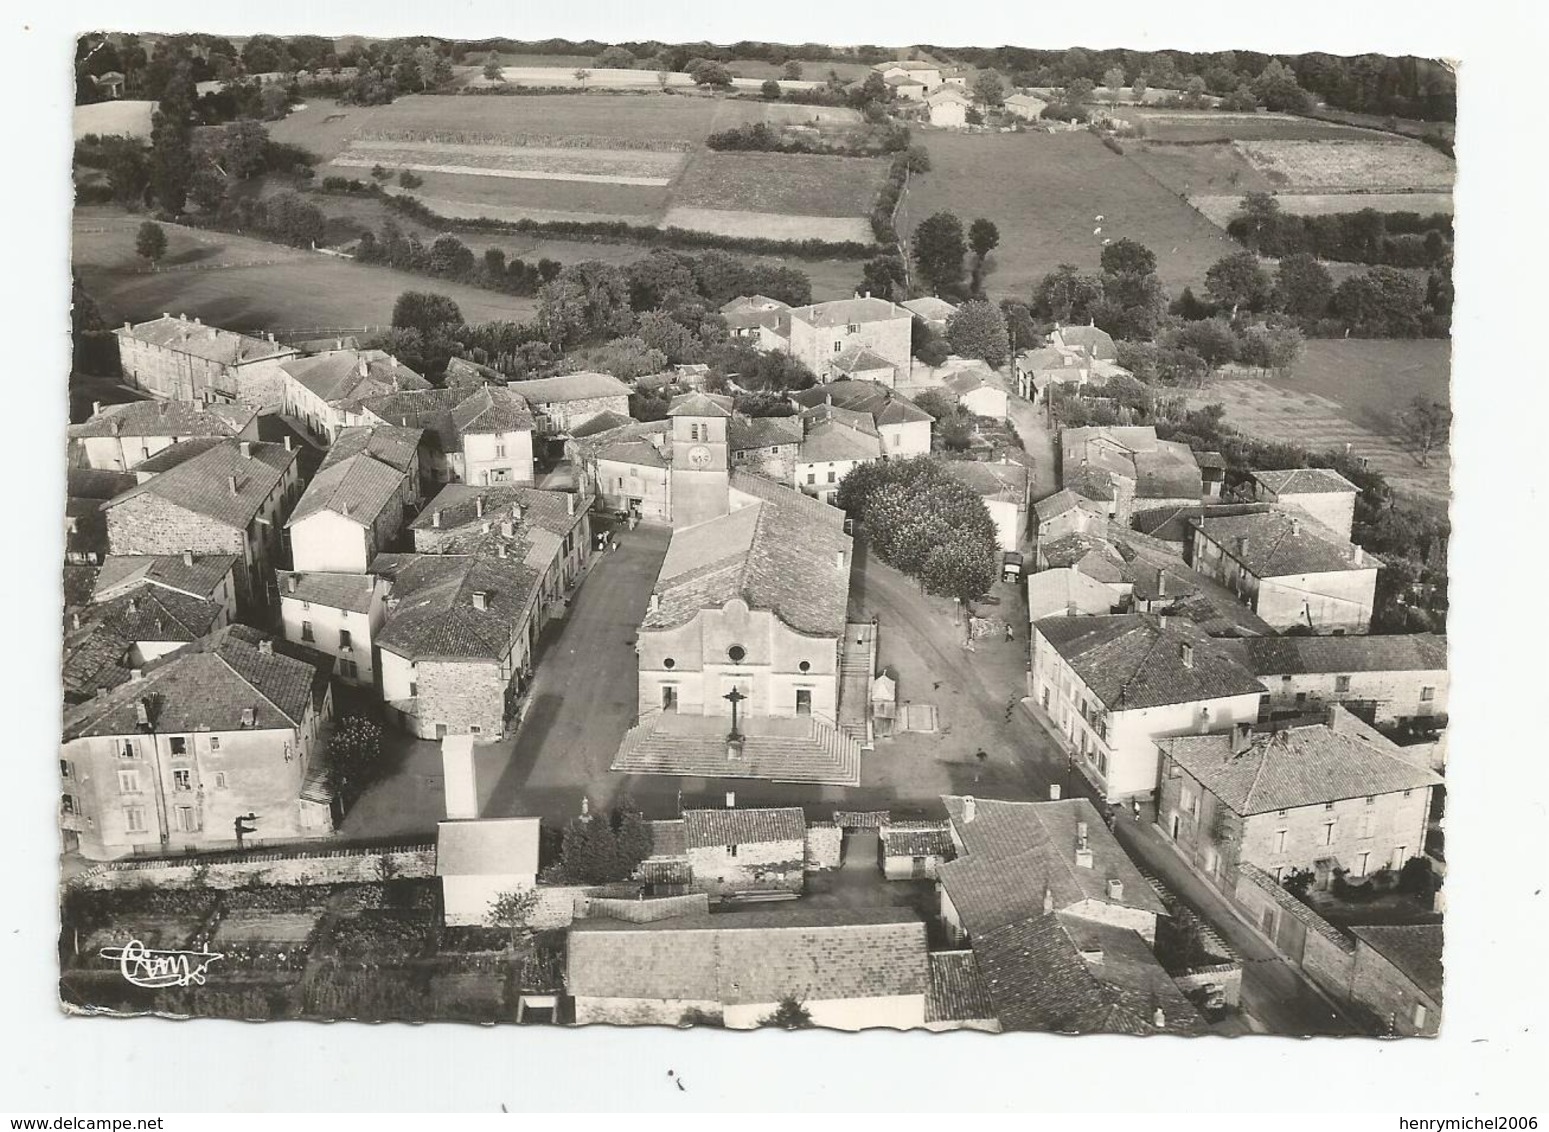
(825, 756)
(857, 661)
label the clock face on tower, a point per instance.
(699, 456)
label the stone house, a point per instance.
(1126, 469)
(481, 859)
(758, 320)
(183, 360)
(1316, 797)
(1028, 107)
(561, 403)
(1114, 685)
(337, 616)
(1066, 513)
(1397, 975)
(766, 445)
(1289, 569)
(1321, 492)
(356, 504)
(830, 448)
(627, 465)
(1384, 679)
(821, 334)
(733, 851)
(947, 106)
(232, 498)
(903, 426)
(736, 969)
(928, 75)
(480, 435)
(1005, 489)
(226, 730)
(119, 437)
(321, 390)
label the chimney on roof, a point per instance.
(1296, 525)
(196, 321)
(129, 326)
(1360, 556)
(1161, 621)
(271, 336)
(1242, 544)
(290, 583)
(142, 712)
(1054, 791)
(102, 690)
(478, 506)
(346, 508)
(231, 482)
(1115, 888)
(1241, 734)
(1081, 834)
(96, 408)
(435, 519)
(500, 550)
(1204, 719)
(828, 399)
(75, 620)
(970, 809)
(161, 408)
(245, 447)
(1048, 900)
(188, 556)
(391, 603)
(570, 504)
(287, 442)
(361, 367)
(1186, 654)
(1161, 582)
(480, 600)
(266, 647)
(136, 674)
(507, 528)
(134, 605)
(1071, 609)
(338, 343)
(485, 527)
(656, 602)
(731, 799)
(1159, 1018)
(1084, 856)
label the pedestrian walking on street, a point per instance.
(1136, 803)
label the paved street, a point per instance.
(1038, 439)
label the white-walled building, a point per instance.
(476, 436)
(337, 615)
(1005, 489)
(948, 106)
(1321, 492)
(480, 860)
(1384, 679)
(119, 437)
(182, 359)
(324, 390)
(1115, 685)
(828, 337)
(903, 426)
(357, 503)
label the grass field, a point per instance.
(1168, 125)
(1044, 192)
(1336, 166)
(1222, 208)
(246, 284)
(794, 185)
(1345, 392)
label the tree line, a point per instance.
(1396, 239)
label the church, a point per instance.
(748, 615)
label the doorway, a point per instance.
(803, 701)
(669, 698)
(1175, 827)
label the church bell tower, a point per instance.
(701, 469)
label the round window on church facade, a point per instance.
(805, 666)
(736, 653)
(669, 663)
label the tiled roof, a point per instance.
(747, 433)
(700, 405)
(777, 551)
(345, 376)
(814, 955)
(1002, 483)
(605, 421)
(859, 359)
(351, 592)
(703, 829)
(1071, 976)
(393, 445)
(851, 418)
(121, 573)
(1415, 949)
(150, 613)
(842, 312)
(359, 488)
(569, 387)
(1279, 544)
(641, 452)
(1018, 853)
(966, 381)
(957, 991)
(79, 582)
(753, 302)
(1129, 661)
(208, 686)
(884, 405)
(668, 838)
(1091, 554)
(487, 847)
(930, 308)
(1057, 504)
(834, 441)
(211, 343)
(177, 454)
(947, 94)
(1413, 652)
(435, 616)
(95, 657)
(202, 484)
(1298, 766)
(491, 410)
(917, 839)
(1091, 457)
(1050, 593)
(1306, 481)
(167, 418)
(1094, 339)
(458, 506)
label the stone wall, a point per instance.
(1324, 952)
(825, 842)
(302, 867)
(757, 867)
(462, 695)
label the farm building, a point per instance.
(321, 390)
(356, 504)
(1291, 570)
(1335, 794)
(734, 851)
(1321, 492)
(908, 88)
(481, 859)
(181, 359)
(1115, 685)
(766, 445)
(738, 968)
(337, 615)
(926, 74)
(948, 106)
(119, 437)
(1028, 107)
(1005, 488)
(1384, 679)
(1066, 513)
(231, 498)
(759, 320)
(559, 404)
(914, 850)
(220, 734)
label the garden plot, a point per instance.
(258, 928)
(1194, 126)
(1351, 166)
(777, 196)
(168, 932)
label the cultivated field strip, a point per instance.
(449, 139)
(1334, 166)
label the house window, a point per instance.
(731, 850)
(500, 451)
(306, 631)
(1408, 792)
(187, 820)
(1400, 855)
(1280, 813)
(1328, 833)
(1341, 683)
(1301, 698)
(128, 751)
(1427, 693)
(831, 475)
(812, 477)
(853, 328)
(134, 819)
(65, 769)
(1371, 799)
(1328, 806)
(345, 640)
(1279, 873)
(215, 742)
(128, 782)
(1361, 863)
(349, 669)
(220, 780)
(179, 745)
(1280, 840)
(67, 804)
(182, 780)
(414, 689)
(1368, 824)
(838, 346)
